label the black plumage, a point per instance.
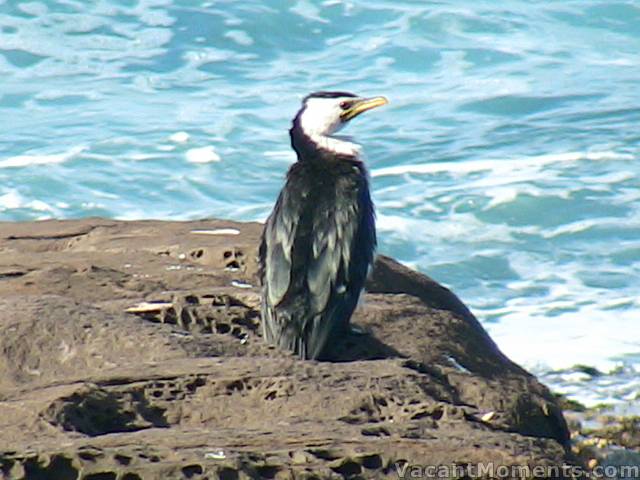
(319, 241)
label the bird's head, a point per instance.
(325, 113)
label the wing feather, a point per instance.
(315, 253)
(278, 239)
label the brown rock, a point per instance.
(132, 350)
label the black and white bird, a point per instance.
(319, 241)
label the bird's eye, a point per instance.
(344, 105)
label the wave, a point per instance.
(498, 166)
(13, 200)
(19, 161)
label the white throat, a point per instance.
(335, 145)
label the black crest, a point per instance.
(323, 94)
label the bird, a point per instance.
(318, 244)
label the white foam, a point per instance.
(202, 155)
(141, 157)
(179, 137)
(501, 195)
(308, 10)
(55, 94)
(206, 55)
(40, 206)
(11, 200)
(529, 336)
(285, 155)
(573, 227)
(456, 227)
(498, 166)
(572, 323)
(28, 160)
(240, 37)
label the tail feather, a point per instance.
(306, 339)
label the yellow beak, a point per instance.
(361, 106)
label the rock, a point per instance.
(132, 350)
(607, 437)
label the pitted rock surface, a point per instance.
(133, 350)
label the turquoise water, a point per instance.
(506, 165)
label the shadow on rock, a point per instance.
(355, 345)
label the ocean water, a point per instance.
(506, 166)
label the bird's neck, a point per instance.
(336, 145)
(309, 144)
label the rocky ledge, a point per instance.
(132, 350)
